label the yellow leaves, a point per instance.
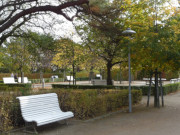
(95, 9)
(128, 2)
(167, 12)
(68, 53)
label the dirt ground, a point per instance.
(142, 121)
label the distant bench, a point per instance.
(42, 109)
(175, 80)
(153, 80)
(69, 78)
(25, 80)
(9, 80)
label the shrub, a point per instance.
(169, 88)
(14, 87)
(81, 86)
(47, 80)
(84, 104)
(166, 88)
(3, 88)
(82, 79)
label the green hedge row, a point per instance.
(82, 86)
(47, 80)
(166, 88)
(84, 104)
(14, 87)
(82, 79)
(169, 88)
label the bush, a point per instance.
(3, 88)
(14, 87)
(84, 104)
(82, 86)
(47, 80)
(169, 88)
(166, 88)
(82, 79)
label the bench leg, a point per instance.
(28, 125)
(66, 122)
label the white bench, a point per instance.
(99, 76)
(153, 80)
(69, 78)
(54, 76)
(178, 79)
(25, 80)
(42, 109)
(174, 80)
(9, 80)
(99, 82)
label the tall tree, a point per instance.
(157, 42)
(102, 32)
(69, 55)
(16, 56)
(42, 49)
(105, 21)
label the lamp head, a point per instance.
(128, 32)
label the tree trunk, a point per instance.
(64, 74)
(41, 76)
(73, 73)
(22, 75)
(109, 78)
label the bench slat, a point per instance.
(34, 112)
(9, 80)
(40, 103)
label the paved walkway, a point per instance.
(142, 121)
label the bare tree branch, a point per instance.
(13, 10)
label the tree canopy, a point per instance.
(16, 57)
(102, 33)
(106, 20)
(157, 41)
(68, 53)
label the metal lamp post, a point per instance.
(129, 32)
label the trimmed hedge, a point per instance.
(81, 86)
(14, 87)
(169, 88)
(166, 88)
(82, 79)
(47, 80)
(84, 104)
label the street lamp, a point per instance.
(129, 32)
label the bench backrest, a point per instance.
(99, 76)
(148, 79)
(69, 78)
(8, 80)
(25, 80)
(37, 105)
